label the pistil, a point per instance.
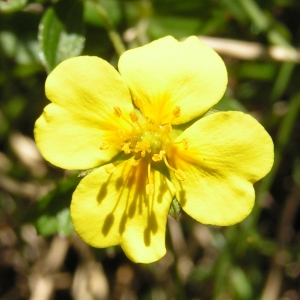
(148, 141)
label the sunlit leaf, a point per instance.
(11, 6)
(52, 214)
(241, 284)
(61, 32)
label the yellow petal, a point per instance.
(228, 152)
(166, 73)
(110, 209)
(84, 91)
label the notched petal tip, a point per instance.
(80, 90)
(227, 153)
(166, 74)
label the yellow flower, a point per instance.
(143, 158)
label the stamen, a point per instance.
(166, 128)
(117, 111)
(177, 111)
(138, 102)
(151, 121)
(133, 116)
(104, 145)
(158, 156)
(178, 173)
(109, 168)
(122, 135)
(167, 164)
(126, 148)
(185, 144)
(142, 147)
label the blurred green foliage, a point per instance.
(233, 263)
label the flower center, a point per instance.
(152, 139)
(147, 141)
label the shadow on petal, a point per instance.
(108, 223)
(182, 197)
(102, 192)
(132, 209)
(119, 183)
(147, 237)
(152, 228)
(152, 223)
(163, 188)
(123, 223)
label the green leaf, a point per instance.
(46, 225)
(64, 222)
(51, 215)
(228, 103)
(112, 8)
(60, 224)
(241, 284)
(179, 27)
(12, 5)
(61, 32)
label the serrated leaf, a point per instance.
(61, 33)
(12, 5)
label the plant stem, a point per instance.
(111, 31)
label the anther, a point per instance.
(185, 144)
(177, 111)
(126, 148)
(122, 134)
(117, 111)
(104, 145)
(180, 175)
(166, 128)
(151, 121)
(109, 168)
(138, 102)
(158, 156)
(142, 147)
(133, 116)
